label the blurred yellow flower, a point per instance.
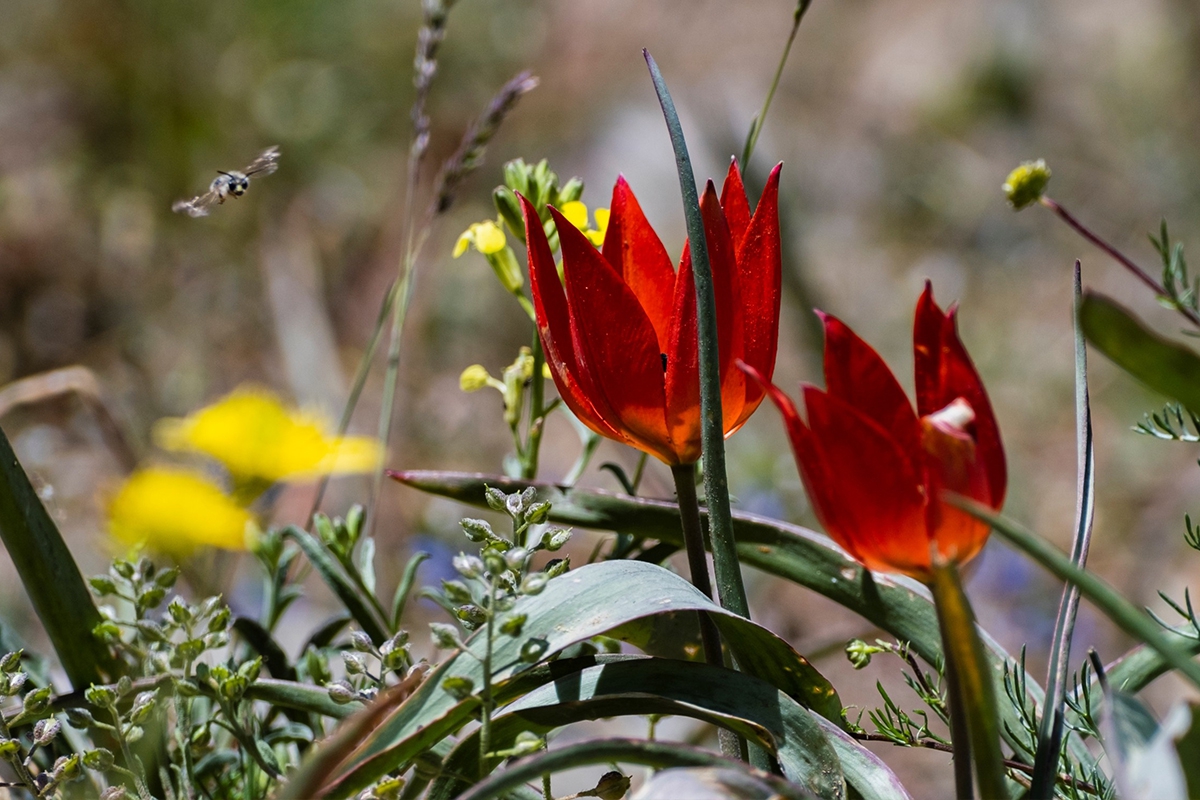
(260, 440)
(175, 510)
(487, 236)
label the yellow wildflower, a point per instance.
(487, 236)
(260, 440)
(596, 236)
(175, 510)
(576, 213)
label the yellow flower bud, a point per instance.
(1026, 183)
(596, 236)
(474, 378)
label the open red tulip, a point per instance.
(621, 340)
(874, 470)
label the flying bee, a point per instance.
(229, 183)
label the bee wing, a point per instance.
(266, 163)
(198, 206)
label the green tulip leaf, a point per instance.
(659, 755)
(808, 755)
(898, 605)
(573, 608)
(1166, 367)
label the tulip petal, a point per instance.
(952, 465)
(638, 255)
(683, 368)
(945, 372)
(554, 329)
(927, 352)
(614, 341)
(733, 200)
(759, 278)
(856, 374)
(864, 488)
(730, 317)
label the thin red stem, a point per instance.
(1117, 256)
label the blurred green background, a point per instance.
(897, 122)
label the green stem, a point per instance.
(757, 125)
(969, 677)
(731, 589)
(360, 381)
(139, 782)
(183, 712)
(693, 545)
(537, 411)
(24, 777)
(391, 375)
(638, 471)
(487, 698)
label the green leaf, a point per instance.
(573, 608)
(274, 658)
(707, 782)
(308, 779)
(300, 696)
(50, 576)
(730, 588)
(972, 695)
(639, 686)
(400, 599)
(898, 605)
(660, 755)
(1128, 617)
(1166, 367)
(337, 581)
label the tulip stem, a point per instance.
(693, 545)
(732, 591)
(537, 412)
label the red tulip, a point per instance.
(621, 339)
(874, 470)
